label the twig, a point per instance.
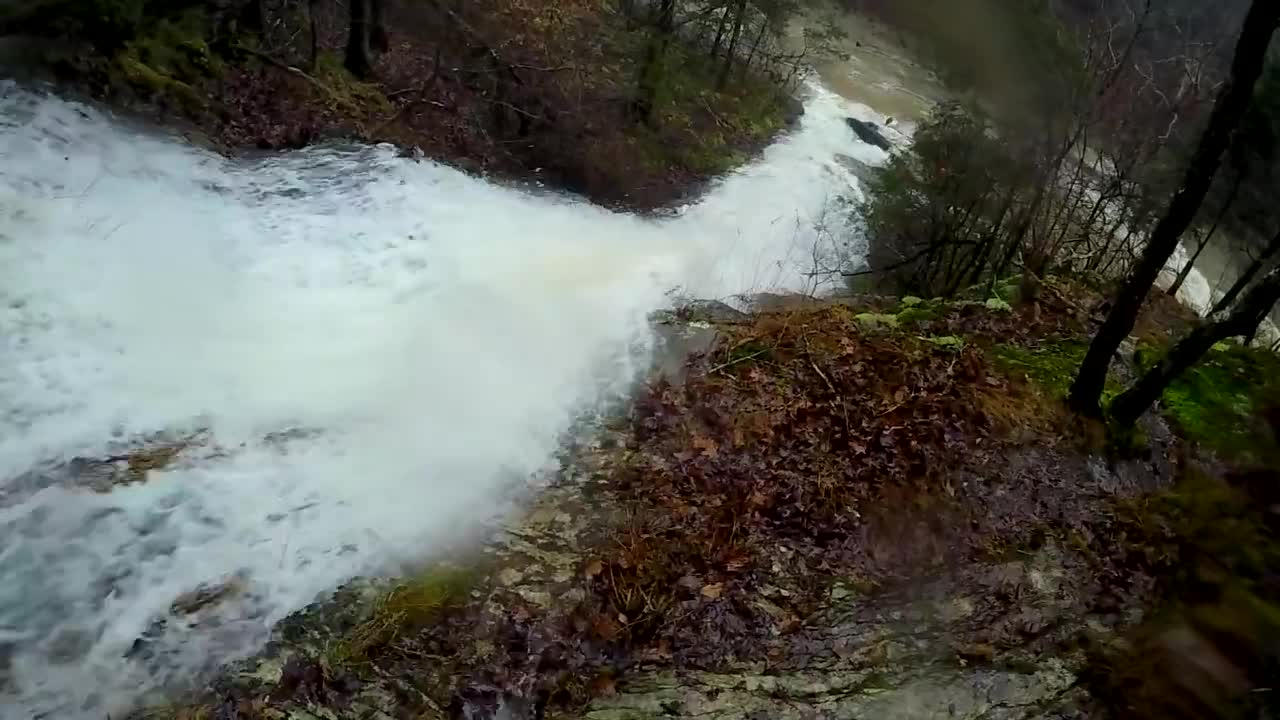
(735, 361)
(830, 385)
(333, 94)
(421, 92)
(715, 116)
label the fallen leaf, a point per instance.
(711, 592)
(605, 628)
(604, 686)
(706, 445)
(593, 568)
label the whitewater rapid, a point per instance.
(375, 351)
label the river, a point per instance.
(372, 352)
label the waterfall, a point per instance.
(367, 353)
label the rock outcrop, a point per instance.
(869, 133)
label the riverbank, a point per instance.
(870, 507)
(542, 94)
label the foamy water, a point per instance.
(376, 350)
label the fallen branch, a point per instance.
(735, 361)
(333, 94)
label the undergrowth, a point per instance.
(1212, 545)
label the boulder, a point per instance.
(869, 133)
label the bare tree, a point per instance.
(1233, 101)
(738, 17)
(653, 68)
(1208, 237)
(1246, 277)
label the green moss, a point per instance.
(410, 605)
(168, 57)
(915, 310)
(996, 304)
(1214, 403)
(1051, 366)
(177, 47)
(698, 127)
(876, 321)
(345, 89)
(918, 314)
(946, 342)
(155, 82)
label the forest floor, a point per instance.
(537, 92)
(868, 507)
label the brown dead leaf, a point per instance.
(593, 568)
(713, 592)
(605, 627)
(708, 446)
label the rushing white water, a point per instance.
(375, 349)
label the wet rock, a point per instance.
(895, 695)
(869, 133)
(69, 645)
(710, 311)
(864, 172)
(205, 596)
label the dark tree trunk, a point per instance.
(1190, 265)
(314, 57)
(1233, 99)
(1243, 320)
(1248, 275)
(755, 47)
(357, 60)
(1204, 243)
(740, 13)
(253, 17)
(377, 27)
(653, 70)
(724, 23)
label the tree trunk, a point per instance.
(377, 27)
(653, 70)
(755, 47)
(1233, 99)
(1244, 319)
(1247, 276)
(357, 60)
(1190, 265)
(741, 12)
(1213, 229)
(724, 23)
(314, 56)
(253, 17)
